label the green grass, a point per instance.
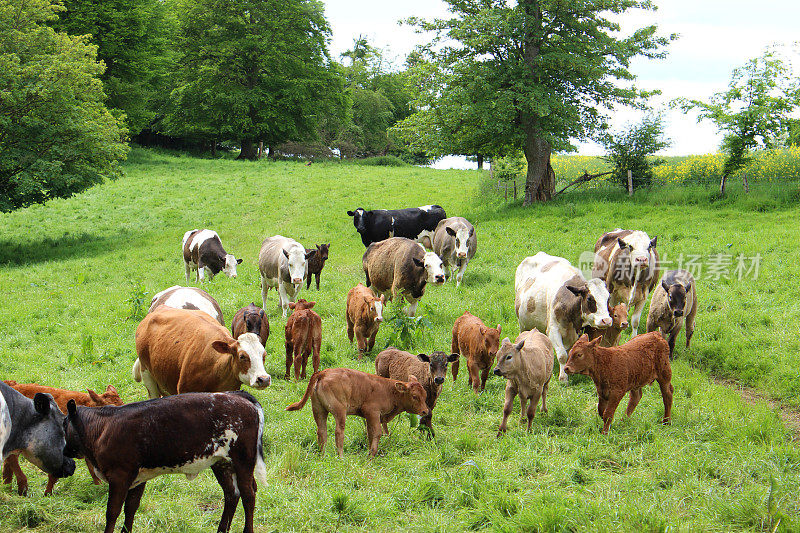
(71, 269)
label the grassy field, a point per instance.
(72, 271)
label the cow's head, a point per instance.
(619, 316)
(253, 317)
(594, 302)
(322, 252)
(109, 397)
(44, 438)
(433, 266)
(376, 308)
(438, 364)
(361, 219)
(413, 396)
(301, 304)
(248, 356)
(491, 339)
(297, 259)
(676, 296)
(508, 357)
(230, 265)
(582, 355)
(640, 249)
(461, 237)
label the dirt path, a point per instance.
(789, 415)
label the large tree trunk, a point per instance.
(480, 161)
(249, 151)
(540, 182)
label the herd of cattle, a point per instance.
(192, 366)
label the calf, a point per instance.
(35, 429)
(364, 315)
(416, 223)
(303, 337)
(479, 344)
(283, 264)
(619, 369)
(399, 266)
(251, 319)
(343, 391)
(178, 297)
(184, 434)
(61, 397)
(455, 243)
(188, 351)
(611, 334)
(674, 300)
(430, 370)
(628, 263)
(552, 296)
(527, 365)
(316, 262)
(203, 253)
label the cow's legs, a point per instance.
(350, 329)
(339, 414)
(523, 402)
(360, 342)
(462, 266)
(544, 395)
(90, 468)
(153, 391)
(132, 501)
(188, 268)
(637, 314)
(289, 359)
(264, 292)
(508, 406)
(534, 399)
(246, 484)
(51, 482)
(633, 400)
(316, 277)
(117, 493)
(611, 407)
(371, 342)
(412, 308)
(315, 349)
(224, 475)
(666, 395)
(283, 299)
(474, 377)
(374, 431)
(300, 360)
(561, 352)
(11, 467)
(454, 349)
(321, 419)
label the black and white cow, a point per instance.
(203, 252)
(35, 430)
(415, 223)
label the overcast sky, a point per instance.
(716, 36)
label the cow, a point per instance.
(364, 314)
(30, 390)
(316, 262)
(527, 365)
(251, 319)
(344, 391)
(674, 301)
(178, 297)
(183, 350)
(33, 428)
(415, 223)
(619, 369)
(283, 264)
(429, 370)
(552, 296)
(399, 266)
(203, 253)
(628, 263)
(455, 243)
(184, 434)
(303, 337)
(611, 334)
(478, 344)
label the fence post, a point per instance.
(746, 183)
(722, 184)
(630, 183)
(515, 190)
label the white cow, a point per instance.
(455, 243)
(283, 264)
(554, 297)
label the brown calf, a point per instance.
(611, 334)
(620, 369)
(61, 397)
(364, 317)
(251, 319)
(479, 344)
(430, 371)
(343, 391)
(303, 337)
(316, 262)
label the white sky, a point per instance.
(716, 36)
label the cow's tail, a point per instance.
(137, 370)
(260, 471)
(311, 383)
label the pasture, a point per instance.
(73, 271)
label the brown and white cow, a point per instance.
(203, 252)
(554, 297)
(364, 315)
(674, 301)
(479, 344)
(188, 351)
(628, 263)
(283, 264)
(251, 319)
(184, 434)
(178, 297)
(455, 243)
(303, 338)
(401, 267)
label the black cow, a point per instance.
(415, 223)
(203, 252)
(181, 434)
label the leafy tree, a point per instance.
(530, 75)
(633, 148)
(754, 111)
(56, 135)
(254, 70)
